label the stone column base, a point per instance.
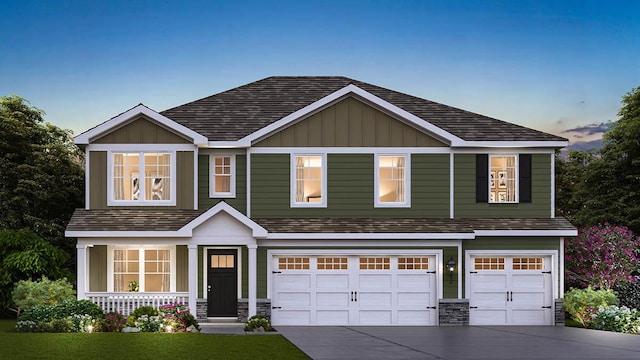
(263, 307)
(453, 312)
(559, 312)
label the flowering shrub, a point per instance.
(148, 323)
(177, 317)
(81, 323)
(580, 303)
(113, 322)
(258, 323)
(26, 326)
(602, 256)
(142, 310)
(618, 319)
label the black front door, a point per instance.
(222, 283)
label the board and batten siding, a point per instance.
(465, 205)
(349, 123)
(98, 180)
(239, 202)
(350, 187)
(141, 130)
(98, 268)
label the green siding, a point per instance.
(465, 205)
(239, 202)
(449, 282)
(98, 268)
(182, 268)
(350, 187)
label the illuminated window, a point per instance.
(535, 263)
(489, 263)
(503, 179)
(413, 263)
(392, 180)
(332, 263)
(150, 269)
(374, 263)
(222, 176)
(293, 263)
(142, 178)
(308, 179)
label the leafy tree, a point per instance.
(612, 182)
(29, 293)
(41, 173)
(570, 174)
(25, 255)
(602, 256)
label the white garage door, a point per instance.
(354, 290)
(510, 290)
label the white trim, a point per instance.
(257, 230)
(82, 270)
(561, 265)
(516, 180)
(451, 187)
(141, 161)
(128, 234)
(193, 277)
(552, 233)
(350, 150)
(407, 182)
(252, 277)
(553, 185)
(212, 176)
(438, 253)
(195, 179)
(248, 182)
(141, 263)
(122, 119)
(140, 147)
(354, 243)
(87, 182)
(205, 262)
(293, 182)
(512, 144)
(370, 236)
(239, 144)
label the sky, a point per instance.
(556, 66)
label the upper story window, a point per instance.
(392, 186)
(308, 180)
(503, 178)
(142, 178)
(223, 176)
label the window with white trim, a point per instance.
(392, 180)
(142, 178)
(223, 176)
(308, 180)
(147, 269)
(503, 178)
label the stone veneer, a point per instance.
(559, 312)
(263, 307)
(201, 310)
(453, 312)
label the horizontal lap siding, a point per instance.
(350, 187)
(465, 205)
(239, 202)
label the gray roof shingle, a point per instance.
(236, 113)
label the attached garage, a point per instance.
(350, 289)
(510, 289)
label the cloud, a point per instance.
(591, 129)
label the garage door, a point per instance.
(354, 290)
(510, 290)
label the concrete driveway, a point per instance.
(471, 342)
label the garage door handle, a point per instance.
(546, 307)
(510, 295)
(355, 293)
(352, 296)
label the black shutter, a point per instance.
(482, 178)
(525, 178)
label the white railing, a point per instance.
(125, 303)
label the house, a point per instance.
(322, 201)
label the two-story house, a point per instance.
(322, 201)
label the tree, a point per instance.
(41, 173)
(612, 182)
(602, 256)
(570, 174)
(25, 255)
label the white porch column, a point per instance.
(253, 276)
(193, 279)
(82, 270)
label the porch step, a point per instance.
(220, 321)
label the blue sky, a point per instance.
(550, 65)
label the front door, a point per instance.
(222, 283)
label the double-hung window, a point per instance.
(503, 178)
(308, 180)
(142, 269)
(223, 176)
(392, 184)
(142, 178)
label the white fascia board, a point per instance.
(370, 236)
(229, 144)
(554, 233)
(351, 89)
(90, 135)
(511, 144)
(127, 234)
(328, 244)
(257, 230)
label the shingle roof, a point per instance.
(158, 219)
(236, 113)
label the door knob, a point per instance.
(208, 288)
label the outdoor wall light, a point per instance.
(451, 266)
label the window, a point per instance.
(503, 175)
(329, 263)
(535, 263)
(293, 263)
(149, 268)
(223, 176)
(309, 180)
(392, 180)
(142, 178)
(489, 263)
(413, 263)
(374, 263)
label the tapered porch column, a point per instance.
(193, 278)
(253, 276)
(82, 270)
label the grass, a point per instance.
(142, 346)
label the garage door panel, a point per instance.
(378, 299)
(413, 281)
(374, 281)
(374, 317)
(415, 317)
(295, 299)
(406, 299)
(530, 316)
(528, 281)
(294, 317)
(332, 317)
(528, 299)
(294, 281)
(488, 316)
(490, 281)
(334, 299)
(332, 281)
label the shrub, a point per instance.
(257, 322)
(148, 323)
(81, 323)
(578, 301)
(81, 307)
(113, 322)
(143, 310)
(60, 326)
(628, 294)
(178, 317)
(46, 313)
(26, 326)
(618, 319)
(28, 294)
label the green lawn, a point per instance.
(142, 346)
